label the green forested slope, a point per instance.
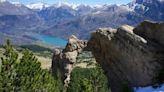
(24, 74)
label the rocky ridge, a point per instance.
(129, 56)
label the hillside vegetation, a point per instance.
(21, 71)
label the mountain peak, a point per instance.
(37, 6)
(147, 1)
(144, 1)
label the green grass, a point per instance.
(43, 54)
(36, 48)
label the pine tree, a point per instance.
(88, 80)
(25, 74)
(99, 80)
(86, 85)
(32, 78)
(8, 72)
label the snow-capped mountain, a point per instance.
(7, 8)
(90, 18)
(63, 19)
(151, 9)
(16, 17)
(37, 6)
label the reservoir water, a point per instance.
(51, 40)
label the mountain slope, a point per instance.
(64, 19)
(6, 8)
(152, 9)
(16, 19)
(108, 16)
(37, 6)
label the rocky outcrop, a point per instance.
(65, 60)
(154, 32)
(130, 57)
(127, 58)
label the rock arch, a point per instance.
(129, 56)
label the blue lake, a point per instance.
(51, 40)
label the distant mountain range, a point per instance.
(18, 21)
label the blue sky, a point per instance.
(90, 2)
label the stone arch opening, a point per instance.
(128, 55)
(85, 59)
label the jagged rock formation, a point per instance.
(130, 57)
(127, 58)
(65, 60)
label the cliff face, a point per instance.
(129, 56)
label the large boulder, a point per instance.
(129, 59)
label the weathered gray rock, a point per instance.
(65, 60)
(127, 58)
(151, 31)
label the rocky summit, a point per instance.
(129, 56)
